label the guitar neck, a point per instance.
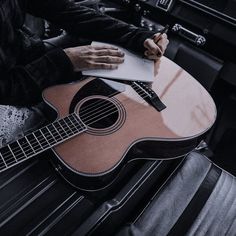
(40, 141)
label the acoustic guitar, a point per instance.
(103, 124)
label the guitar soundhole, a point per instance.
(101, 115)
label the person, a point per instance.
(26, 67)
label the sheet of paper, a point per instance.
(134, 68)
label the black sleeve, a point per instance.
(22, 85)
(85, 22)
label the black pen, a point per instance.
(162, 31)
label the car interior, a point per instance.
(191, 195)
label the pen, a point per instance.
(162, 31)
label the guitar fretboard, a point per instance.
(40, 140)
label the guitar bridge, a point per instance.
(148, 95)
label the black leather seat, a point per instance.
(202, 66)
(198, 198)
(189, 196)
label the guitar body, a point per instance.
(122, 126)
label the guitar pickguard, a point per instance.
(96, 87)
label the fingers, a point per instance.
(104, 56)
(101, 47)
(161, 40)
(163, 43)
(95, 57)
(108, 52)
(157, 37)
(152, 47)
(156, 46)
(104, 66)
(109, 59)
(151, 56)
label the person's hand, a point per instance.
(156, 46)
(95, 57)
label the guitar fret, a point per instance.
(73, 125)
(34, 143)
(12, 152)
(61, 129)
(78, 121)
(27, 148)
(37, 140)
(2, 161)
(29, 143)
(7, 155)
(21, 148)
(48, 136)
(76, 118)
(56, 131)
(41, 139)
(45, 137)
(51, 134)
(65, 127)
(16, 149)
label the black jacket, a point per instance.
(26, 69)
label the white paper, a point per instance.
(133, 68)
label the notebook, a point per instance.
(134, 68)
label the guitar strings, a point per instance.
(98, 111)
(113, 110)
(71, 128)
(84, 109)
(94, 104)
(98, 107)
(139, 90)
(17, 158)
(38, 141)
(7, 158)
